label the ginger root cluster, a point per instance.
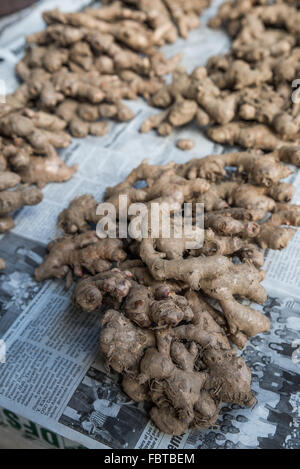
(84, 64)
(173, 313)
(244, 97)
(75, 75)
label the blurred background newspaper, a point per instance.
(53, 379)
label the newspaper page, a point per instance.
(52, 373)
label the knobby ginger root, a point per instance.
(185, 144)
(169, 18)
(122, 343)
(32, 130)
(257, 136)
(28, 156)
(145, 310)
(79, 215)
(8, 180)
(90, 291)
(14, 200)
(6, 224)
(82, 252)
(183, 380)
(273, 235)
(261, 169)
(200, 273)
(34, 169)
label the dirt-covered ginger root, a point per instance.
(89, 291)
(85, 252)
(14, 200)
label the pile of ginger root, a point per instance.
(246, 97)
(75, 75)
(28, 159)
(175, 315)
(82, 66)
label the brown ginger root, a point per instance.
(170, 18)
(79, 215)
(185, 394)
(14, 200)
(82, 252)
(257, 136)
(257, 201)
(8, 180)
(199, 273)
(227, 225)
(144, 278)
(141, 308)
(32, 130)
(34, 169)
(240, 318)
(185, 144)
(122, 343)
(6, 224)
(261, 169)
(273, 235)
(90, 291)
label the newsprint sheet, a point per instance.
(53, 373)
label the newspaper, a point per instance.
(53, 374)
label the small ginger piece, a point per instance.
(185, 144)
(14, 200)
(2, 264)
(8, 180)
(6, 224)
(79, 215)
(273, 235)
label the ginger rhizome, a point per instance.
(2, 264)
(14, 196)
(74, 255)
